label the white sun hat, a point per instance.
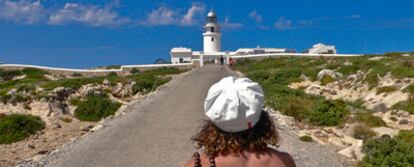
(234, 104)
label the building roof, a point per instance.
(180, 49)
(211, 13)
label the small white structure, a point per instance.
(258, 50)
(181, 55)
(321, 48)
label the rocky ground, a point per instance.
(351, 89)
(57, 111)
(163, 137)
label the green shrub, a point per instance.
(148, 84)
(74, 83)
(405, 105)
(393, 119)
(66, 119)
(326, 80)
(297, 107)
(75, 101)
(387, 151)
(9, 74)
(370, 120)
(134, 71)
(410, 89)
(34, 73)
(363, 132)
(329, 113)
(76, 74)
(348, 70)
(95, 108)
(306, 138)
(111, 74)
(17, 127)
(386, 89)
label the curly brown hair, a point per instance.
(215, 141)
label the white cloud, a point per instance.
(193, 13)
(88, 14)
(283, 24)
(23, 11)
(228, 24)
(255, 16)
(161, 16)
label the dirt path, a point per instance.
(158, 130)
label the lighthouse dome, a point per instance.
(211, 14)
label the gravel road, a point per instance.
(156, 131)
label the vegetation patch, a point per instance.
(17, 127)
(8, 75)
(405, 105)
(329, 113)
(306, 138)
(370, 120)
(387, 151)
(386, 89)
(363, 132)
(96, 107)
(326, 80)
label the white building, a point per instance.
(321, 48)
(212, 46)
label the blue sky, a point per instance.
(104, 32)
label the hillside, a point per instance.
(40, 111)
(354, 103)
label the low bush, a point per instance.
(386, 89)
(370, 120)
(134, 71)
(75, 101)
(410, 89)
(387, 151)
(66, 119)
(17, 127)
(111, 74)
(9, 74)
(74, 83)
(363, 132)
(306, 138)
(329, 113)
(326, 80)
(96, 107)
(348, 70)
(405, 105)
(34, 73)
(148, 84)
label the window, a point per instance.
(212, 29)
(212, 39)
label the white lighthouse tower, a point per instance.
(212, 36)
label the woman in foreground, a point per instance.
(238, 132)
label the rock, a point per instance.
(19, 77)
(376, 58)
(348, 129)
(402, 113)
(353, 151)
(385, 131)
(62, 93)
(86, 90)
(106, 82)
(403, 122)
(330, 73)
(96, 128)
(303, 77)
(12, 91)
(31, 146)
(380, 108)
(42, 152)
(117, 89)
(86, 128)
(347, 63)
(57, 108)
(57, 126)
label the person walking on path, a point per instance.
(221, 60)
(238, 132)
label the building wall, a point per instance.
(212, 45)
(176, 60)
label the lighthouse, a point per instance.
(212, 35)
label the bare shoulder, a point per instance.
(286, 158)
